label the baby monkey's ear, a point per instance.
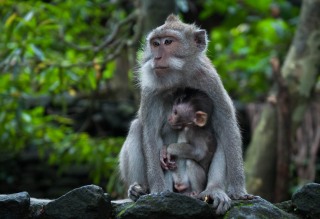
(200, 118)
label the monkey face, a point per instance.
(169, 54)
(164, 49)
(174, 120)
(182, 115)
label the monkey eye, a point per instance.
(155, 43)
(167, 42)
(175, 112)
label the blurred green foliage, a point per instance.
(46, 49)
(43, 52)
(251, 32)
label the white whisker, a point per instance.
(176, 63)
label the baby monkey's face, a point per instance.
(182, 115)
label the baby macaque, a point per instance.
(188, 160)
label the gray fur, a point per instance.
(139, 157)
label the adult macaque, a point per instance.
(174, 58)
(196, 144)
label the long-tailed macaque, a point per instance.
(174, 58)
(189, 115)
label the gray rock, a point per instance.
(286, 206)
(164, 205)
(37, 207)
(307, 200)
(84, 202)
(255, 208)
(173, 205)
(14, 206)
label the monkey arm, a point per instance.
(151, 114)
(225, 126)
(228, 138)
(151, 150)
(215, 189)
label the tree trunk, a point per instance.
(155, 12)
(284, 141)
(260, 157)
(120, 83)
(295, 81)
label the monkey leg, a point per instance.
(169, 179)
(197, 177)
(132, 162)
(215, 189)
(180, 177)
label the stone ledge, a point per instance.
(91, 202)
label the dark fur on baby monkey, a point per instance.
(190, 112)
(174, 57)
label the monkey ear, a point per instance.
(200, 37)
(200, 118)
(172, 18)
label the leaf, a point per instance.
(29, 16)
(10, 20)
(92, 80)
(26, 117)
(108, 72)
(37, 52)
(262, 6)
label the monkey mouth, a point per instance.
(161, 68)
(178, 127)
(181, 125)
(161, 71)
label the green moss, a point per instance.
(148, 198)
(226, 215)
(243, 204)
(125, 209)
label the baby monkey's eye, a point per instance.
(167, 42)
(175, 112)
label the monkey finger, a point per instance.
(163, 164)
(241, 196)
(216, 202)
(222, 208)
(165, 167)
(163, 152)
(133, 195)
(170, 159)
(172, 165)
(221, 205)
(163, 159)
(247, 197)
